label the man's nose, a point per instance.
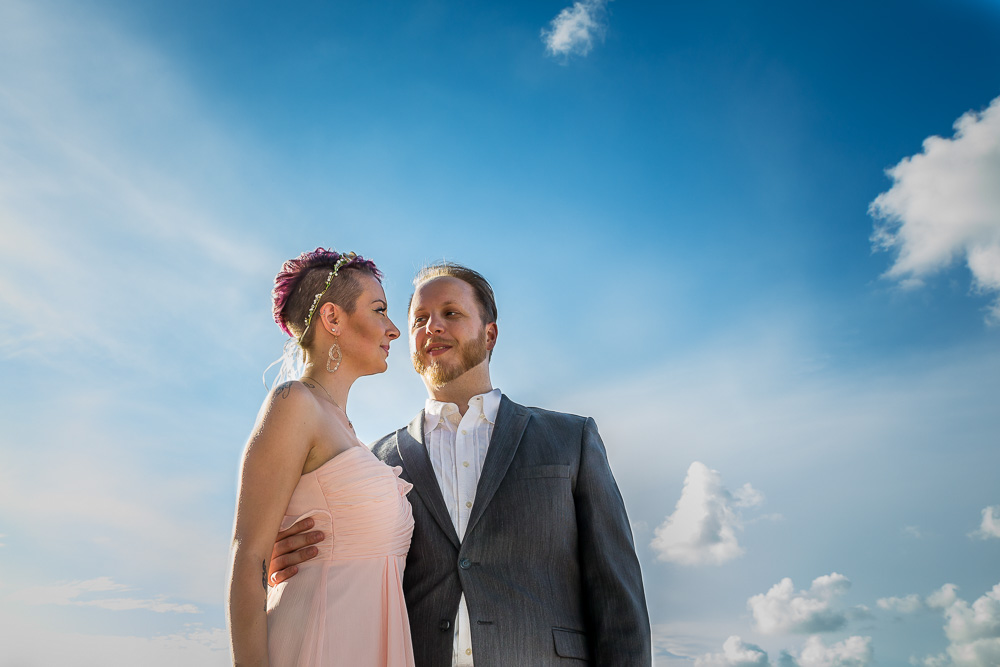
(435, 325)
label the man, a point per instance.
(522, 555)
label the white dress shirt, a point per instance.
(457, 446)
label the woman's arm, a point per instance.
(272, 464)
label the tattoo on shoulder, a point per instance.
(263, 574)
(283, 390)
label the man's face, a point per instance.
(447, 334)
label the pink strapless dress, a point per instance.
(345, 607)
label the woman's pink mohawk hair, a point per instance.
(293, 270)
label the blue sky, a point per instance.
(754, 240)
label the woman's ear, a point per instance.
(330, 315)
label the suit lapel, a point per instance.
(511, 421)
(410, 444)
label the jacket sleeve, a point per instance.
(618, 623)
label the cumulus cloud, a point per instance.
(735, 653)
(944, 205)
(576, 28)
(904, 605)
(852, 652)
(79, 593)
(972, 630)
(990, 525)
(944, 597)
(705, 521)
(782, 609)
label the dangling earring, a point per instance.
(334, 356)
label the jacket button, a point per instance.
(444, 625)
(465, 563)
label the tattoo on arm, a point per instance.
(284, 390)
(263, 575)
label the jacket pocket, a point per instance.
(570, 644)
(535, 472)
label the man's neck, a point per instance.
(459, 391)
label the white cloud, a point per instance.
(576, 28)
(782, 609)
(940, 660)
(904, 605)
(705, 521)
(913, 531)
(972, 630)
(852, 652)
(990, 525)
(944, 205)
(735, 653)
(944, 597)
(71, 592)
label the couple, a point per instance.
(521, 553)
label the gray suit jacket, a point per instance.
(548, 566)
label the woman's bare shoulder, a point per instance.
(289, 401)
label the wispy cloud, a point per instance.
(989, 527)
(193, 645)
(783, 609)
(575, 30)
(904, 605)
(704, 524)
(944, 205)
(94, 187)
(81, 593)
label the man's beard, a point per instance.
(438, 374)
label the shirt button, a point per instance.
(468, 651)
(463, 432)
(468, 504)
(465, 463)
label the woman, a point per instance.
(303, 459)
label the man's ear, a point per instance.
(491, 335)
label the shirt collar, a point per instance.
(435, 411)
